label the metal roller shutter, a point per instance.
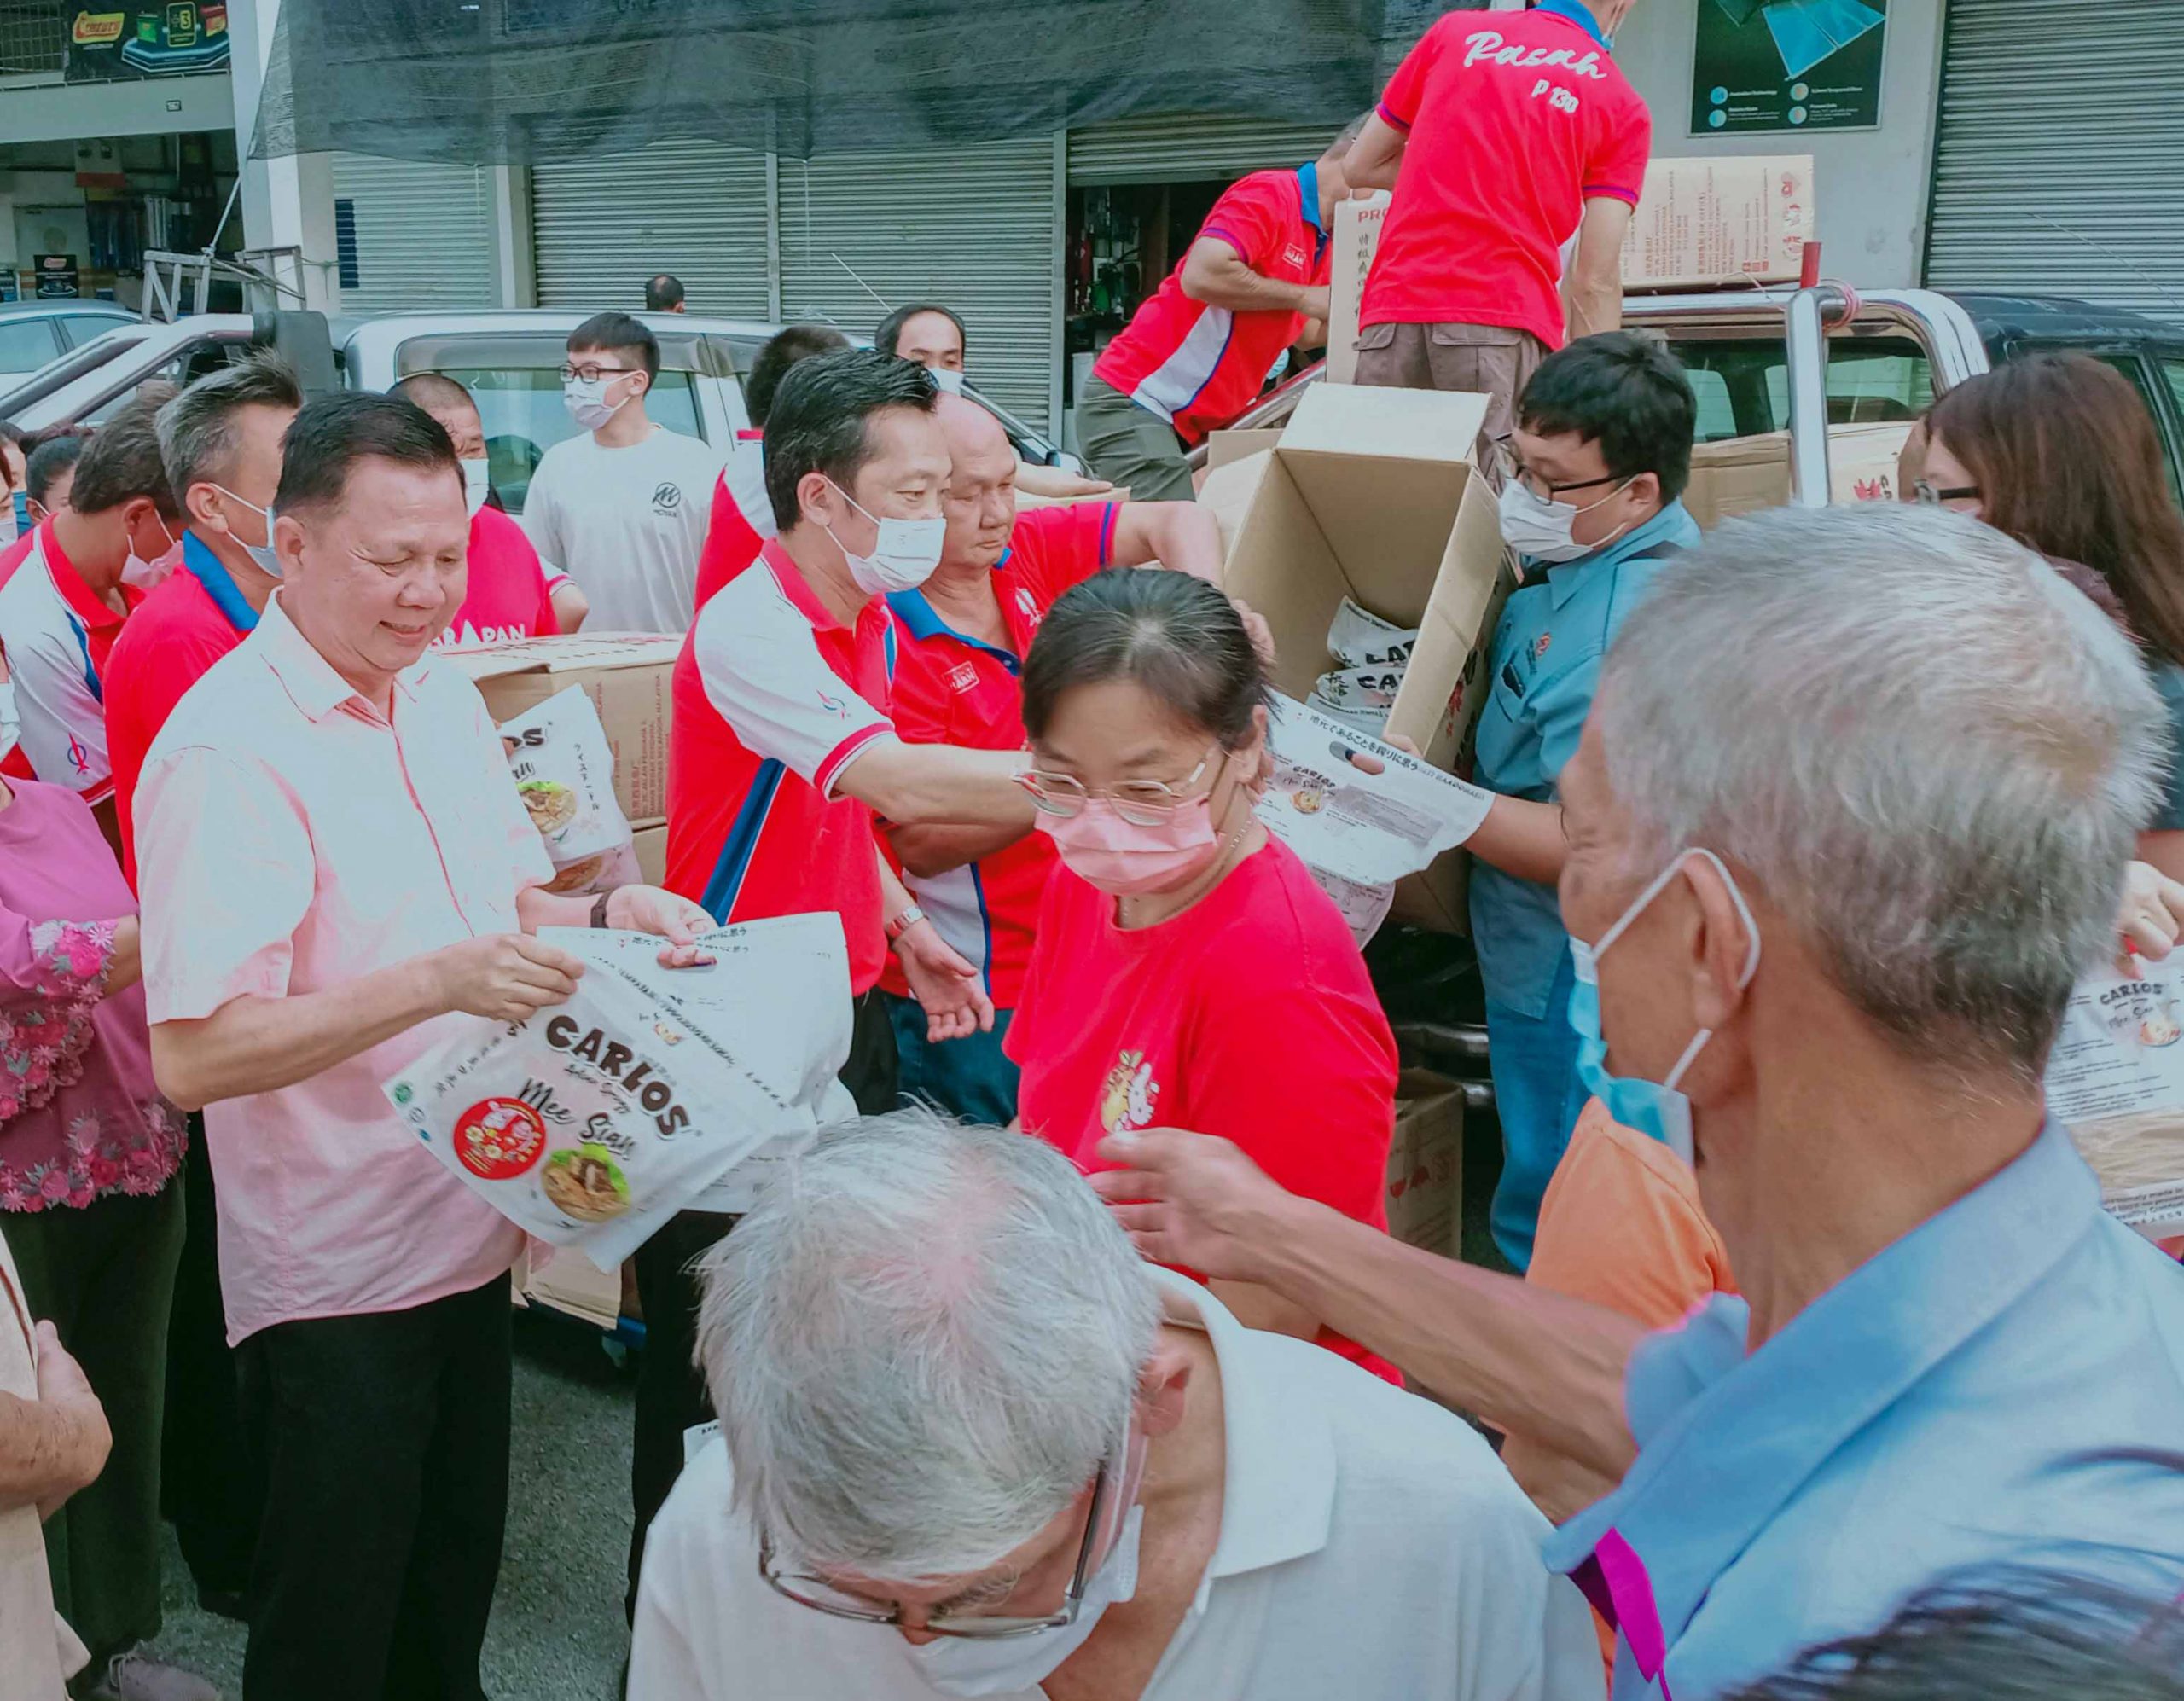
(2060, 150)
(601, 227)
(423, 233)
(972, 226)
(1177, 150)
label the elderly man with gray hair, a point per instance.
(1849, 819)
(973, 1446)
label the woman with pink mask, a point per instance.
(1189, 972)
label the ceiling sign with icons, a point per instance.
(1787, 64)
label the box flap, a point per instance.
(1439, 426)
(1226, 448)
(564, 654)
(1227, 491)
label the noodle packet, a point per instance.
(2115, 1081)
(564, 771)
(593, 1122)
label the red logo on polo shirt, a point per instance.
(497, 1139)
(963, 677)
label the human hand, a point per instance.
(1314, 301)
(2151, 915)
(1366, 763)
(79, 1440)
(947, 987)
(1061, 483)
(508, 976)
(1193, 1199)
(1255, 628)
(651, 910)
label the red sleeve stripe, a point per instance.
(1610, 192)
(1388, 117)
(1107, 534)
(839, 758)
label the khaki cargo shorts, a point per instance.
(1494, 361)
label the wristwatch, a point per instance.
(903, 922)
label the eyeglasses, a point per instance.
(822, 1596)
(591, 374)
(1141, 803)
(1932, 495)
(1538, 486)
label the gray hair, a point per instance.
(1932, 754)
(197, 428)
(921, 1344)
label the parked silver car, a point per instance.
(35, 332)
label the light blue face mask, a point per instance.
(1654, 1108)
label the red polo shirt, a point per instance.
(1250, 1015)
(1199, 366)
(191, 618)
(56, 636)
(773, 699)
(741, 520)
(507, 597)
(950, 688)
(1515, 120)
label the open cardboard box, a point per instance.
(1714, 221)
(1350, 248)
(1426, 1163)
(1373, 494)
(627, 677)
(1745, 475)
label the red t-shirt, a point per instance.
(1199, 366)
(1250, 1016)
(1515, 120)
(190, 619)
(742, 518)
(953, 690)
(773, 699)
(507, 597)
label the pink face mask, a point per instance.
(1125, 860)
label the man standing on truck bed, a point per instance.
(1505, 136)
(1202, 345)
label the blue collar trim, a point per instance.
(1581, 14)
(1308, 186)
(198, 561)
(923, 621)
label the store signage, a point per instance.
(105, 42)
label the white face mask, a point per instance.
(11, 726)
(586, 399)
(950, 381)
(268, 562)
(477, 483)
(1006, 1665)
(904, 557)
(1536, 526)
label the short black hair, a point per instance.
(2001, 1633)
(663, 292)
(1625, 392)
(122, 463)
(783, 350)
(888, 338)
(325, 441)
(198, 439)
(822, 416)
(430, 390)
(52, 453)
(1173, 635)
(617, 334)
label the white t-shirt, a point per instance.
(626, 524)
(1372, 1548)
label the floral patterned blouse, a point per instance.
(80, 1119)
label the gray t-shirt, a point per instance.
(627, 525)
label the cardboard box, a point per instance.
(627, 677)
(1705, 222)
(1356, 240)
(1426, 1163)
(1743, 474)
(652, 854)
(1226, 448)
(573, 1285)
(1373, 494)
(1227, 491)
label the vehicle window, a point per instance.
(1869, 379)
(78, 329)
(2143, 380)
(26, 344)
(521, 407)
(2173, 370)
(1717, 413)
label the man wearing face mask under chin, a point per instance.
(971, 1446)
(510, 593)
(622, 506)
(1603, 447)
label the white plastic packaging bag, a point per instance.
(564, 770)
(592, 1122)
(1370, 655)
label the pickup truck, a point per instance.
(509, 360)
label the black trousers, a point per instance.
(210, 1488)
(385, 1443)
(671, 1396)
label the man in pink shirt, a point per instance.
(1516, 149)
(374, 877)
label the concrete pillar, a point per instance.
(515, 270)
(287, 201)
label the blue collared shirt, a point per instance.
(1966, 1396)
(198, 561)
(1545, 665)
